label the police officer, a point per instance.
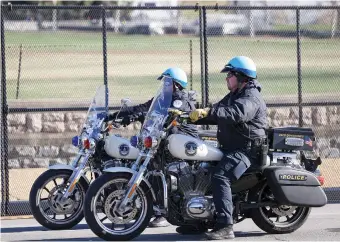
(241, 120)
(181, 100)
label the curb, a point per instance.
(16, 217)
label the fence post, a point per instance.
(206, 73)
(19, 72)
(190, 47)
(4, 134)
(202, 57)
(299, 66)
(105, 58)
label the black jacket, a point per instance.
(241, 117)
(188, 104)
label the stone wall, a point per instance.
(42, 139)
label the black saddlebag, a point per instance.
(291, 138)
(295, 187)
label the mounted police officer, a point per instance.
(181, 100)
(241, 120)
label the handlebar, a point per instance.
(181, 116)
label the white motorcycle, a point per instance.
(57, 196)
(120, 203)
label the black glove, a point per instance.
(126, 120)
(110, 117)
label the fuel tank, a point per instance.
(118, 147)
(189, 148)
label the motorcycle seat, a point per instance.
(254, 169)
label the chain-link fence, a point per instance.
(297, 57)
(54, 58)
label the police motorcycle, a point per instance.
(57, 196)
(277, 194)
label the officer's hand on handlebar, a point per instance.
(110, 117)
(198, 114)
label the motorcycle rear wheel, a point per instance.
(287, 219)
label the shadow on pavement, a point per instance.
(38, 228)
(164, 237)
(335, 230)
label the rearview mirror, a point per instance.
(125, 102)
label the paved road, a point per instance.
(323, 224)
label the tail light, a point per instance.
(321, 180)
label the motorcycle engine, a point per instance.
(190, 187)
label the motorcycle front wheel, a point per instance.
(102, 200)
(44, 200)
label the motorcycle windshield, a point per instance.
(158, 110)
(97, 110)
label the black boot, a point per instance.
(191, 229)
(159, 221)
(221, 232)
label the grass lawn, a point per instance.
(69, 65)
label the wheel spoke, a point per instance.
(44, 199)
(119, 185)
(65, 181)
(287, 217)
(47, 209)
(46, 190)
(277, 218)
(54, 215)
(101, 196)
(65, 216)
(55, 183)
(103, 219)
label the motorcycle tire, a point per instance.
(264, 223)
(34, 203)
(90, 213)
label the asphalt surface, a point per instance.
(323, 224)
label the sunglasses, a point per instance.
(230, 74)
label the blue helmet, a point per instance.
(177, 74)
(243, 65)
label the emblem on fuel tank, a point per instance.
(124, 149)
(190, 148)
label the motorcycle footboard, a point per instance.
(295, 187)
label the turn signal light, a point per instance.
(134, 141)
(174, 123)
(75, 141)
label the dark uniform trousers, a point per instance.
(241, 119)
(229, 169)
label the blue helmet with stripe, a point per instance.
(177, 74)
(243, 65)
